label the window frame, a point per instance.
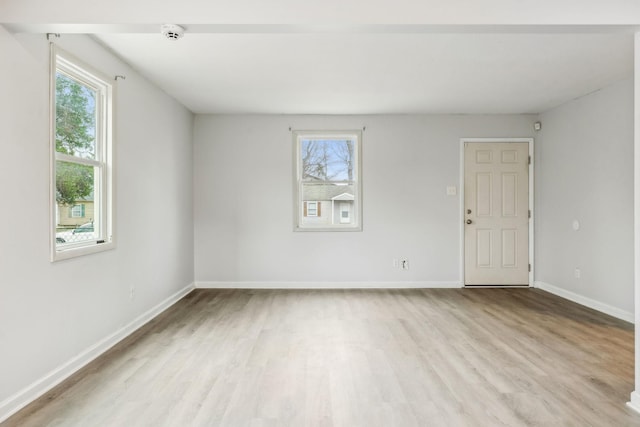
(102, 162)
(298, 203)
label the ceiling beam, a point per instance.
(286, 15)
(319, 29)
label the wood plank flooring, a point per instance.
(436, 357)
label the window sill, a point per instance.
(78, 251)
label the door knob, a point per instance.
(469, 221)
(468, 211)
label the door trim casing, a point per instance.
(530, 141)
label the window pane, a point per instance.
(75, 203)
(75, 118)
(327, 159)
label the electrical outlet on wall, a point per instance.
(577, 273)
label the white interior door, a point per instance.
(496, 212)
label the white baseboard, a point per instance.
(588, 302)
(14, 403)
(634, 403)
(326, 285)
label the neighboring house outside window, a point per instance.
(75, 215)
(81, 168)
(328, 181)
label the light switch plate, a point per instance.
(451, 190)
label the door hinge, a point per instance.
(529, 268)
(529, 213)
(529, 159)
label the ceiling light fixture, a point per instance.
(172, 31)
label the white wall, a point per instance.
(243, 199)
(585, 173)
(53, 312)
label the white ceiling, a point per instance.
(374, 73)
(357, 56)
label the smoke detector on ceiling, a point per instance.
(172, 31)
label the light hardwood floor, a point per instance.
(438, 357)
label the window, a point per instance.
(77, 211)
(81, 166)
(312, 209)
(328, 181)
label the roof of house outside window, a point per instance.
(319, 192)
